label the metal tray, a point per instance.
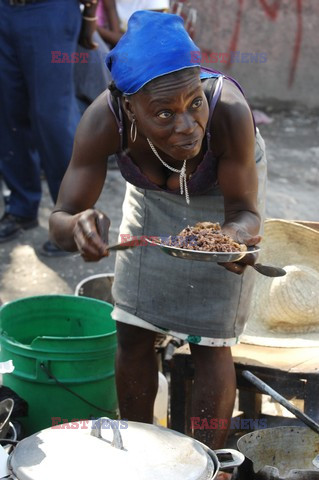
(217, 257)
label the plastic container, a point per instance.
(63, 349)
(161, 401)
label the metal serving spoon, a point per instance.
(269, 270)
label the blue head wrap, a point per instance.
(155, 44)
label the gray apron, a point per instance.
(196, 301)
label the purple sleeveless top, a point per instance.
(205, 175)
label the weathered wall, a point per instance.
(285, 32)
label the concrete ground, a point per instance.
(293, 157)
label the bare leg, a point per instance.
(136, 372)
(213, 393)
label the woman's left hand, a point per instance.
(237, 233)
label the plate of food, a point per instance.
(205, 242)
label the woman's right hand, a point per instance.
(91, 235)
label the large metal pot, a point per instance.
(281, 453)
(117, 450)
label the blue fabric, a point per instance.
(38, 109)
(204, 75)
(155, 44)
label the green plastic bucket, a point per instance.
(63, 349)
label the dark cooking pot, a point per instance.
(118, 450)
(283, 453)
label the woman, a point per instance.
(168, 115)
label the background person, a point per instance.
(114, 15)
(39, 112)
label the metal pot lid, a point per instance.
(111, 449)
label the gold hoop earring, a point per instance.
(133, 130)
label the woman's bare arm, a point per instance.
(233, 142)
(74, 216)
